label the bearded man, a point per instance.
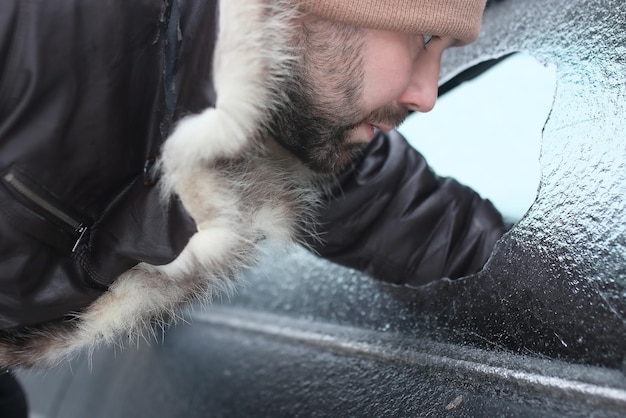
(147, 147)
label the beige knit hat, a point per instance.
(460, 19)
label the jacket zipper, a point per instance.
(49, 208)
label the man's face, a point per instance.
(348, 83)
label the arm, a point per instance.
(393, 218)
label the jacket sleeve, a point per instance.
(390, 216)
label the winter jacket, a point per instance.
(89, 92)
(83, 110)
(391, 216)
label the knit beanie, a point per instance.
(460, 19)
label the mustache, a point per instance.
(391, 115)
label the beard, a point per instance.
(321, 135)
(306, 130)
(323, 112)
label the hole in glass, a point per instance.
(485, 130)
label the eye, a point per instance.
(427, 39)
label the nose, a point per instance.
(420, 94)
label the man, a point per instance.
(390, 216)
(291, 93)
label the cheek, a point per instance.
(387, 74)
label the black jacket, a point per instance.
(392, 217)
(89, 90)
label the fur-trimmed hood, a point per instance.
(237, 184)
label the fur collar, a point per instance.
(239, 188)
